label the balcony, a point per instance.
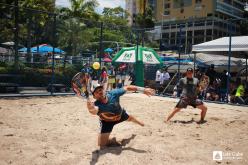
(228, 10)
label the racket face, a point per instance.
(80, 83)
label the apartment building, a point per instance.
(195, 21)
(191, 21)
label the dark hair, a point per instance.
(190, 70)
(103, 69)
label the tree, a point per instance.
(7, 21)
(145, 20)
(115, 25)
(27, 11)
(73, 24)
(81, 9)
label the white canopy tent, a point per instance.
(220, 61)
(239, 43)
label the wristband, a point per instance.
(140, 89)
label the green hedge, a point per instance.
(28, 76)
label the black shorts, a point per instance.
(107, 127)
(185, 101)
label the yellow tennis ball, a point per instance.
(96, 65)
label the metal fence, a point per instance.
(46, 54)
(72, 42)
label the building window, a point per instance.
(228, 1)
(167, 6)
(165, 35)
(181, 3)
(215, 32)
(209, 32)
(166, 12)
(199, 32)
(173, 35)
(209, 15)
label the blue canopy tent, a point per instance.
(108, 50)
(23, 50)
(174, 60)
(44, 48)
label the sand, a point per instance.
(59, 130)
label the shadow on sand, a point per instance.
(114, 149)
(189, 122)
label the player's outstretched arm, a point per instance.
(147, 91)
(92, 108)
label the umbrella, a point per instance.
(144, 55)
(10, 44)
(108, 50)
(107, 59)
(23, 49)
(44, 48)
(138, 55)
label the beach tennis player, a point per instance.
(110, 112)
(189, 86)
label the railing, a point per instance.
(228, 9)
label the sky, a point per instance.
(102, 4)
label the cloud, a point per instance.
(62, 3)
(110, 4)
(102, 4)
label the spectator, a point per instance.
(212, 92)
(240, 92)
(88, 71)
(211, 73)
(198, 74)
(232, 92)
(158, 75)
(123, 74)
(165, 76)
(104, 79)
(203, 85)
(158, 79)
(111, 78)
(223, 83)
(94, 79)
(118, 77)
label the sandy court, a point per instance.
(59, 130)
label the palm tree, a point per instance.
(72, 28)
(81, 9)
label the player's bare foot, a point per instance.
(201, 122)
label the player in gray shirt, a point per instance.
(189, 86)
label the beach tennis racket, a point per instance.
(80, 84)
